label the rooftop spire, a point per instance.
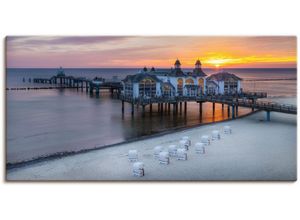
(177, 64)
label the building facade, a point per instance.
(176, 82)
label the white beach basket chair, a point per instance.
(187, 139)
(205, 139)
(200, 148)
(172, 149)
(138, 169)
(164, 157)
(132, 155)
(216, 135)
(181, 154)
(157, 150)
(184, 144)
(227, 129)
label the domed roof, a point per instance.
(198, 62)
(177, 62)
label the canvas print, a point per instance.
(151, 108)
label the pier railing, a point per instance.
(246, 99)
(200, 98)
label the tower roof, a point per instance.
(198, 62)
(152, 69)
(177, 62)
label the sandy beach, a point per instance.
(256, 150)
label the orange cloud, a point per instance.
(160, 51)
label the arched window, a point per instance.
(147, 87)
(167, 90)
(180, 86)
(189, 81)
(201, 84)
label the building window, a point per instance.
(192, 90)
(147, 87)
(230, 86)
(201, 85)
(167, 90)
(128, 89)
(180, 86)
(189, 81)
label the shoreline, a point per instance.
(61, 155)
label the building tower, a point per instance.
(198, 64)
(177, 64)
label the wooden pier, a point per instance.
(233, 102)
(81, 83)
(179, 103)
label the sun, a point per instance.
(218, 61)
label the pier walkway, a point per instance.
(81, 83)
(245, 99)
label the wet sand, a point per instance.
(256, 150)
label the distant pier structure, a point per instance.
(91, 86)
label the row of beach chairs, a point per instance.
(176, 151)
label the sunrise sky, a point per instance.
(139, 51)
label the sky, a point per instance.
(157, 51)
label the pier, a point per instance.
(164, 103)
(81, 83)
(233, 102)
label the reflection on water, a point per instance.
(47, 121)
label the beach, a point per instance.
(256, 150)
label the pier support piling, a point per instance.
(253, 102)
(228, 110)
(122, 106)
(268, 115)
(232, 113)
(174, 108)
(150, 108)
(180, 108)
(143, 110)
(214, 107)
(185, 107)
(200, 108)
(132, 109)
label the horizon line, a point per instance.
(219, 68)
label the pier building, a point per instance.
(175, 82)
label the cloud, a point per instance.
(118, 51)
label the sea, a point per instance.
(43, 123)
